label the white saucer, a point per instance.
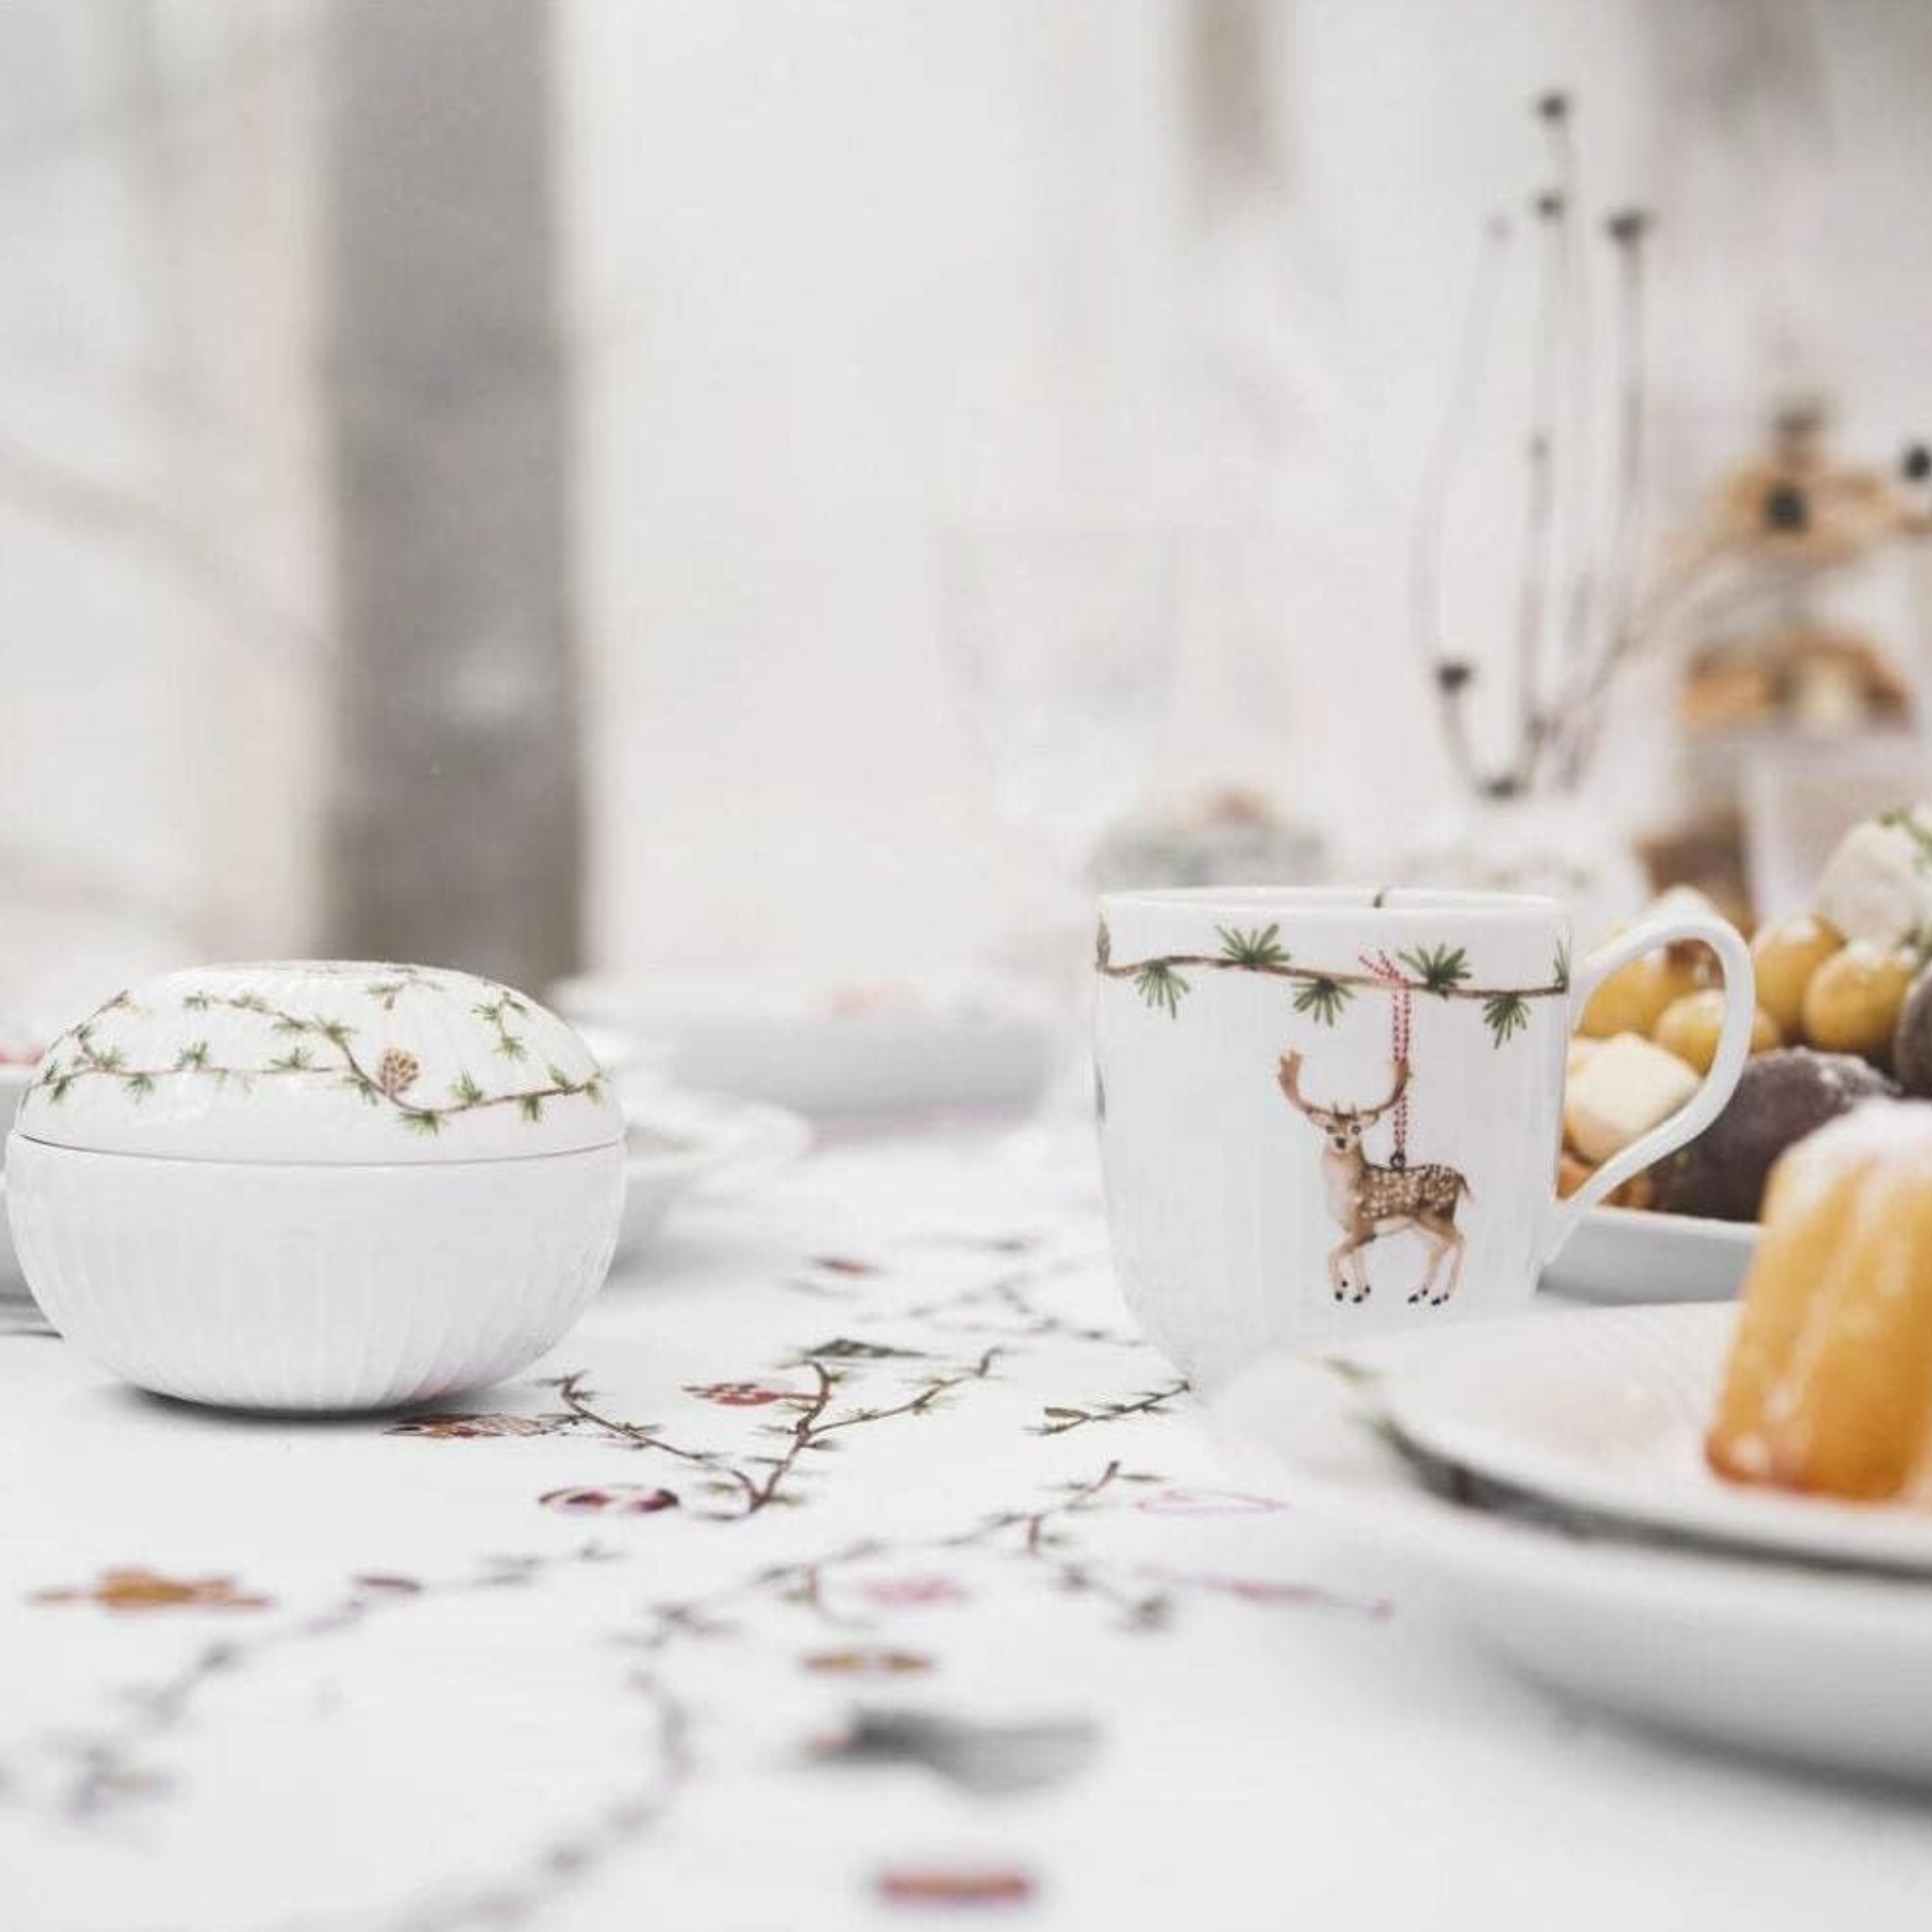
(1622, 1256)
(1604, 1412)
(703, 1145)
(1828, 1667)
(824, 1049)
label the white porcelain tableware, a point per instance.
(1624, 1255)
(14, 1075)
(1604, 1412)
(834, 1049)
(1323, 1112)
(317, 1184)
(680, 1145)
(1825, 1667)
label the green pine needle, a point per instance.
(1504, 1014)
(466, 1089)
(533, 1106)
(419, 1122)
(1159, 985)
(1559, 971)
(1441, 969)
(1324, 999)
(1256, 951)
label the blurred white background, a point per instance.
(826, 283)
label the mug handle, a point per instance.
(1733, 1047)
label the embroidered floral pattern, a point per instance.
(146, 1590)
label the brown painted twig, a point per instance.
(1150, 1403)
(1218, 962)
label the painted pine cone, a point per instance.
(397, 1071)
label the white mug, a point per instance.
(1323, 1112)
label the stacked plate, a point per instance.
(1545, 1474)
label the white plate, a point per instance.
(905, 1046)
(1604, 1412)
(13, 1078)
(1830, 1668)
(1619, 1255)
(704, 1145)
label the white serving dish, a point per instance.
(1604, 1412)
(1627, 1256)
(14, 1075)
(318, 1185)
(682, 1145)
(1828, 1667)
(826, 1049)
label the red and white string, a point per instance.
(1382, 967)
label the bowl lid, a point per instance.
(321, 1060)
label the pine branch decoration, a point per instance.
(1324, 999)
(1159, 985)
(1504, 1014)
(1256, 951)
(1441, 969)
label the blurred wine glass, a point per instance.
(1062, 644)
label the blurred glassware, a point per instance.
(1231, 836)
(1062, 642)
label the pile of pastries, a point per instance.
(1844, 1014)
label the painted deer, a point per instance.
(1369, 1201)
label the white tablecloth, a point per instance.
(865, 1572)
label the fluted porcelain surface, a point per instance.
(321, 1061)
(290, 1287)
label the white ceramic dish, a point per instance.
(682, 1145)
(1620, 1256)
(315, 1185)
(829, 1049)
(1605, 1410)
(1828, 1668)
(14, 1075)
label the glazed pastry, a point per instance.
(1829, 1384)
(1781, 1097)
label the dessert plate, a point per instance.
(1825, 1667)
(709, 1146)
(1626, 1256)
(1602, 1412)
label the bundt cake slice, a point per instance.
(1829, 1384)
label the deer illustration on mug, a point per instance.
(1367, 1200)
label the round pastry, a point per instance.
(1829, 1384)
(1854, 1000)
(1690, 1027)
(1633, 998)
(1785, 953)
(1781, 1097)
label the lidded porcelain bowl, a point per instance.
(315, 1185)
